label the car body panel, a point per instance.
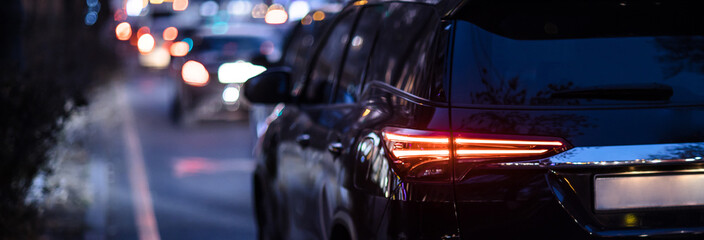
(316, 188)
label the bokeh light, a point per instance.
(123, 31)
(146, 43)
(158, 59)
(209, 8)
(179, 49)
(134, 7)
(220, 28)
(318, 15)
(143, 30)
(259, 10)
(360, 2)
(133, 39)
(156, 1)
(266, 48)
(91, 18)
(92, 3)
(307, 20)
(194, 74)
(276, 14)
(180, 5)
(230, 94)
(238, 72)
(190, 43)
(297, 10)
(170, 33)
(239, 7)
(120, 15)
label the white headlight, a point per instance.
(230, 94)
(238, 72)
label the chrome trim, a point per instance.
(576, 107)
(625, 155)
(400, 93)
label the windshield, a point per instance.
(502, 63)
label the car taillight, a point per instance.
(195, 74)
(485, 147)
(418, 154)
(425, 155)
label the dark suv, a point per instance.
(489, 119)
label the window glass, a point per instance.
(327, 67)
(355, 65)
(492, 69)
(299, 51)
(508, 52)
(406, 48)
(229, 48)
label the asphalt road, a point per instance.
(170, 182)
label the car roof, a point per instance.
(445, 7)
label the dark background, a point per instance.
(49, 59)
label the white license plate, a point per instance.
(650, 191)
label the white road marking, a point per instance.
(95, 215)
(145, 218)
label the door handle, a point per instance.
(303, 140)
(335, 148)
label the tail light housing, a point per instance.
(417, 154)
(425, 155)
(195, 74)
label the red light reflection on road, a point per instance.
(190, 166)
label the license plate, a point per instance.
(648, 191)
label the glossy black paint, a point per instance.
(272, 86)
(323, 170)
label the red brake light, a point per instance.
(418, 154)
(483, 147)
(194, 74)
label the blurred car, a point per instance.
(215, 68)
(489, 119)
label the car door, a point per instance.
(339, 125)
(308, 130)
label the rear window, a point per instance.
(578, 53)
(231, 46)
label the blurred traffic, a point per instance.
(211, 47)
(186, 62)
(160, 29)
(136, 127)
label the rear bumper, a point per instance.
(555, 200)
(207, 102)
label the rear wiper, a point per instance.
(633, 92)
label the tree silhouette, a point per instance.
(510, 92)
(684, 53)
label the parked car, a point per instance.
(297, 48)
(488, 119)
(215, 68)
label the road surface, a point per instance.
(161, 181)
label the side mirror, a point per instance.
(269, 87)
